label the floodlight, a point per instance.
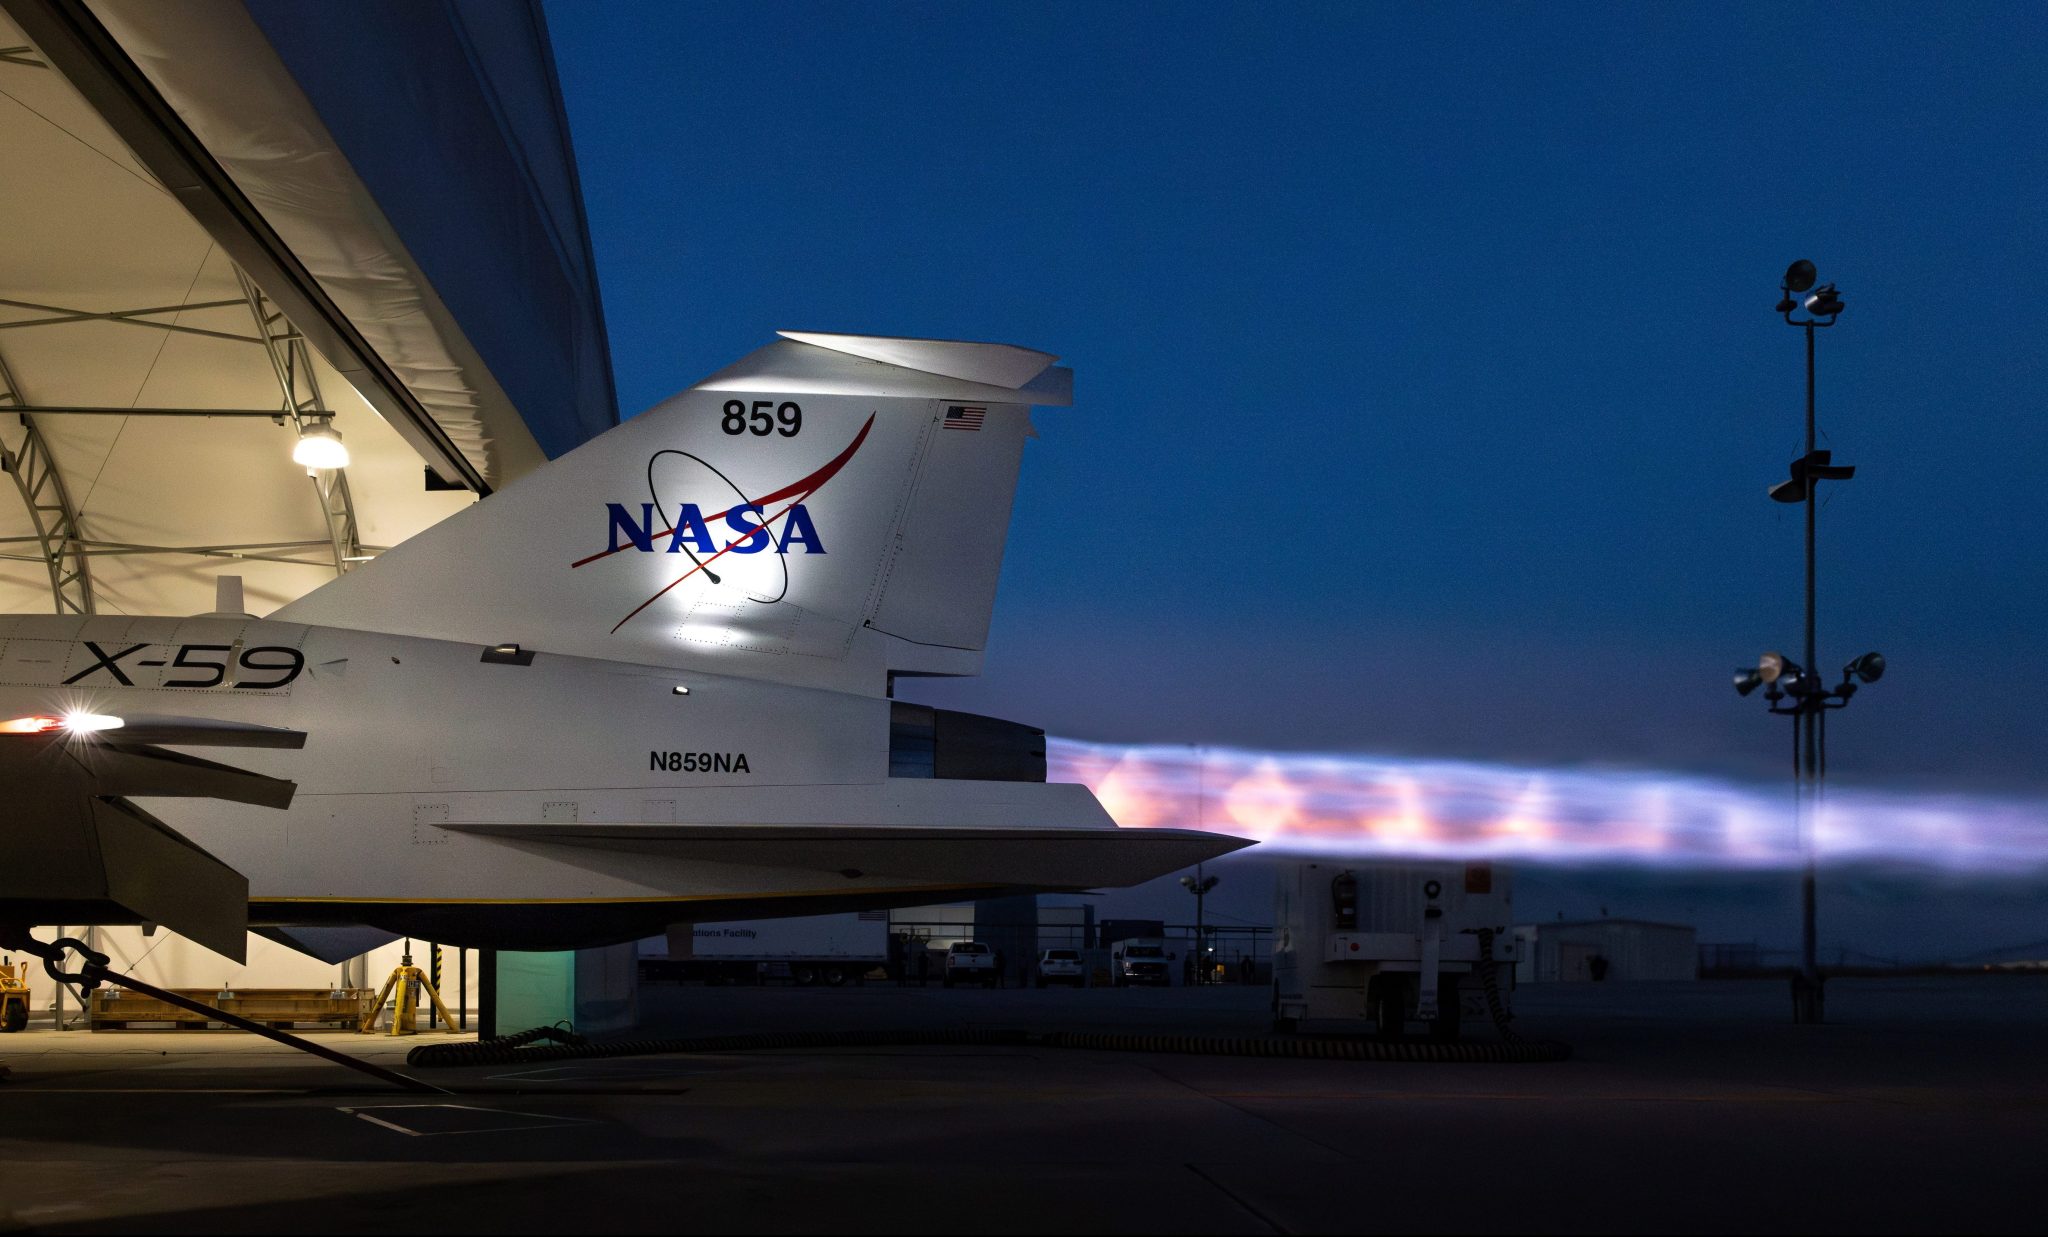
(1825, 302)
(1747, 681)
(1800, 276)
(320, 446)
(1807, 469)
(85, 723)
(1792, 491)
(1780, 672)
(1869, 668)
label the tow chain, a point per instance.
(93, 970)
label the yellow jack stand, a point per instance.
(410, 981)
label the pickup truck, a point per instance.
(1141, 960)
(970, 962)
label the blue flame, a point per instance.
(1387, 806)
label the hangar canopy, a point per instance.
(217, 233)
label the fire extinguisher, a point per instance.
(1344, 899)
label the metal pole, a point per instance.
(462, 987)
(59, 1023)
(1807, 1009)
(487, 993)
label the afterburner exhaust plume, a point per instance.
(1387, 806)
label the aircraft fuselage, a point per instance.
(463, 792)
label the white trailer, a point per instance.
(811, 949)
(1390, 944)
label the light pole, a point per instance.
(1200, 886)
(1786, 680)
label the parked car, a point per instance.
(1061, 966)
(970, 962)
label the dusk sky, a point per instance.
(1428, 384)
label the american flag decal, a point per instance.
(964, 416)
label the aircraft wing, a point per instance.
(1045, 858)
(75, 850)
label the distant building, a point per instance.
(1606, 949)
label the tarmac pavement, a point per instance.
(1922, 1106)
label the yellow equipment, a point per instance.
(13, 995)
(410, 982)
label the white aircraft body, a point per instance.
(649, 683)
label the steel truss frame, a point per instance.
(292, 362)
(292, 552)
(63, 548)
(41, 485)
(60, 314)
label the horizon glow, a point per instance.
(1385, 806)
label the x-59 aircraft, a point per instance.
(649, 683)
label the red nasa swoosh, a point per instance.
(795, 491)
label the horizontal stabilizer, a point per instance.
(1043, 858)
(997, 365)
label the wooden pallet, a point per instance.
(113, 1009)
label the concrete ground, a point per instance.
(1923, 1106)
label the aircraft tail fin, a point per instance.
(827, 510)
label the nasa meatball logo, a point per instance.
(697, 512)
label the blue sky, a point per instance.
(1428, 384)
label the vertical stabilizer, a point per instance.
(821, 512)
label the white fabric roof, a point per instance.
(87, 229)
(212, 64)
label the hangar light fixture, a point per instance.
(680, 690)
(319, 446)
